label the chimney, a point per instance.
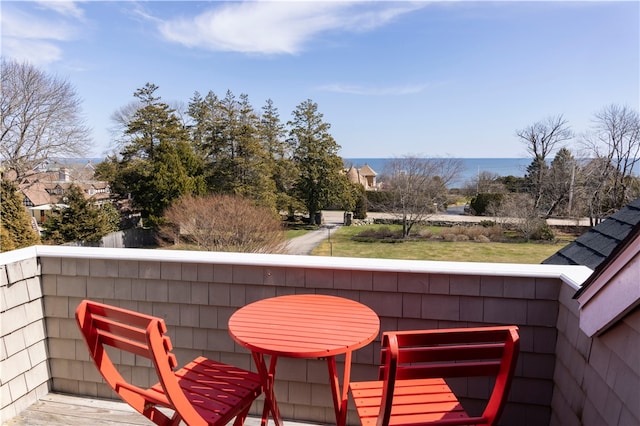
(63, 174)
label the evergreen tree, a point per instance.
(279, 159)
(226, 134)
(562, 175)
(159, 163)
(254, 179)
(321, 181)
(15, 224)
(79, 220)
(536, 179)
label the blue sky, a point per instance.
(446, 78)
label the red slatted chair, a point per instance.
(203, 392)
(411, 389)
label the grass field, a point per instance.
(342, 245)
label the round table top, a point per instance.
(304, 326)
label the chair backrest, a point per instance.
(105, 326)
(462, 352)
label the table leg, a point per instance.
(340, 398)
(267, 376)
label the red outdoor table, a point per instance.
(304, 326)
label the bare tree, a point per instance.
(541, 139)
(417, 187)
(484, 182)
(120, 119)
(40, 118)
(614, 142)
(518, 212)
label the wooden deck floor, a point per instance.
(65, 410)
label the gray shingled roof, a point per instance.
(593, 247)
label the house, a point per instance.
(42, 190)
(364, 175)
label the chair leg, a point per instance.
(242, 416)
(175, 420)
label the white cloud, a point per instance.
(374, 91)
(63, 7)
(36, 52)
(33, 37)
(277, 27)
(19, 24)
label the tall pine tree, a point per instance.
(279, 158)
(159, 163)
(321, 181)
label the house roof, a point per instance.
(36, 193)
(366, 170)
(595, 245)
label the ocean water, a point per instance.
(471, 167)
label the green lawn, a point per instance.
(292, 233)
(342, 245)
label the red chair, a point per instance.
(411, 389)
(203, 392)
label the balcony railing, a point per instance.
(196, 293)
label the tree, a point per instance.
(226, 133)
(158, 163)
(223, 222)
(15, 224)
(614, 141)
(279, 158)
(517, 211)
(417, 187)
(78, 220)
(40, 118)
(561, 183)
(484, 183)
(321, 181)
(541, 139)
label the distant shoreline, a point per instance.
(472, 167)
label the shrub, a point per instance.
(360, 209)
(543, 232)
(482, 203)
(377, 200)
(224, 223)
(482, 239)
(381, 234)
(425, 233)
(476, 231)
(448, 236)
(458, 230)
(495, 233)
